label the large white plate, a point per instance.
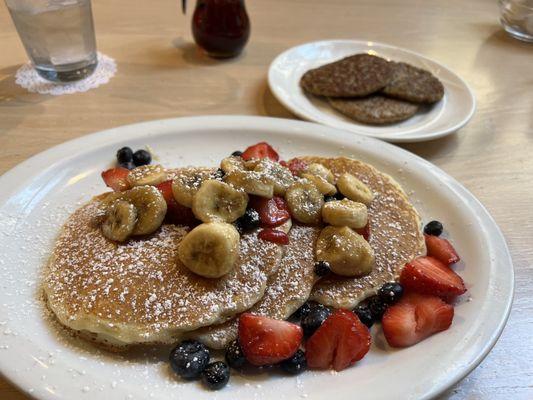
(445, 117)
(38, 195)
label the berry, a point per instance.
(142, 157)
(274, 236)
(329, 198)
(260, 150)
(339, 342)
(316, 317)
(267, 341)
(128, 165)
(365, 316)
(189, 358)
(390, 292)
(234, 355)
(176, 213)
(441, 249)
(303, 311)
(272, 212)
(249, 221)
(377, 307)
(434, 228)
(414, 318)
(237, 153)
(428, 275)
(322, 268)
(219, 174)
(339, 196)
(124, 155)
(296, 364)
(297, 166)
(116, 179)
(216, 375)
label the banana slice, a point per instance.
(285, 227)
(185, 186)
(280, 176)
(218, 201)
(319, 170)
(232, 163)
(210, 250)
(151, 208)
(305, 202)
(119, 220)
(345, 212)
(147, 175)
(251, 182)
(347, 252)
(354, 189)
(321, 184)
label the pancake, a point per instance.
(374, 109)
(395, 235)
(286, 290)
(356, 75)
(413, 84)
(139, 292)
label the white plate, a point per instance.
(38, 195)
(445, 117)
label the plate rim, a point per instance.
(297, 128)
(386, 137)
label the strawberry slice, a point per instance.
(296, 166)
(176, 213)
(339, 342)
(441, 249)
(414, 318)
(427, 275)
(272, 212)
(116, 178)
(274, 236)
(260, 150)
(267, 341)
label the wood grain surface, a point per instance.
(161, 74)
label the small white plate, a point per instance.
(445, 117)
(38, 195)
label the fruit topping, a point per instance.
(260, 150)
(345, 213)
(364, 314)
(297, 166)
(267, 341)
(116, 178)
(321, 171)
(189, 358)
(234, 355)
(249, 221)
(119, 220)
(414, 318)
(305, 202)
(216, 375)
(322, 268)
(272, 212)
(303, 311)
(339, 342)
(176, 213)
(251, 182)
(124, 155)
(211, 249)
(218, 201)
(364, 231)
(151, 208)
(296, 364)
(274, 236)
(312, 320)
(142, 157)
(377, 307)
(441, 249)
(434, 228)
(390, 292)
(347, 252)
(427, 275)
(147, 175)
(321, 184)
(354, 189)
(185, 186)
(280, 176)
(237, 153)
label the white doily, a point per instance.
(29, 79)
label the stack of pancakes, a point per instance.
(119, 295)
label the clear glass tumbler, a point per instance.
(516, 17)
(58, 36)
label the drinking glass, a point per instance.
(58, 36)
(516, 17)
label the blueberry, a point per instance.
(124, 155)
(322, 268)
(219, 174)
(339, 196)
(433, 228)
(364, 314)
(141, 157)
(234, 355)
(329, 198)
(127, 165)
(249, 221)
(237, 153)
(377, 307)
(316, 316)
(390, 292)
(189, 359)
(296, 364)
(303, 311)
(216, 375)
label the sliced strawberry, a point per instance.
(267, 341)
(441, 249)
(283, 163)
(339, 342)
(260, 150)
(428, 275)
(364, 231)
(116, 178)
(274, 236)
(176, 213)
(272, 212)
(414, 318)
(296, 166)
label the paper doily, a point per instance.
(29, 79)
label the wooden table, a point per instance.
(161, 75)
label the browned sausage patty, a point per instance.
(413, 84)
